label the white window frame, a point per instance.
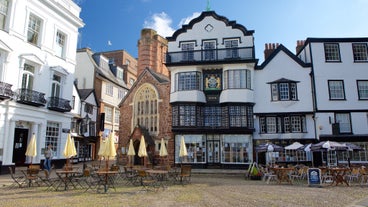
(109, 89)
(60, 43)
(4, 10)
(362, 86)
(108, 114)
(336, 89)
(360, 52)
(332, 52)
(34, 28)
(27, 80)
(344, 121)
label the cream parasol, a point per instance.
(142, 152)
(163, 149)
(131, 151)
(32, 148)
(109, 150)
(69, 149)
(183, 149)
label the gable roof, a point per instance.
(85, 93)
(204, 14)
(287, 52)
(157, 76)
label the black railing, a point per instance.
(215, 55)
(31, 97)
(5, 91)
(59, 104)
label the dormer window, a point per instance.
(284, 90)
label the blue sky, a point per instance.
(116, 24)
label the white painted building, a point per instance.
(94, 70)
(212, 63)
(38, 42)
(340, 88)
(284, 107)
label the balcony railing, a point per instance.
(59, 104)
(31, 97)
(215, 55)
(5, 91)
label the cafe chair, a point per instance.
(18, 180)
(130, 176)
(185, 174)
(353, 176)
(47, 180)
(147, 182)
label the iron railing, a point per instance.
(214, 55)
(5, 90)
(30, 97)
(59, 104)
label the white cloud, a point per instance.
(188, 19)
(160, 22)
(109, 43)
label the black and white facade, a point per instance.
(212, 63)
(224, 103)
(339, 80)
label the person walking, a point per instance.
(48, 156)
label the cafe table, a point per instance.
(339, 175)
(66, 178)
(283, 174)
(107, 179)
(160, 175)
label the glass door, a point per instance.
(213, 149)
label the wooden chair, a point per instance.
(130, 176)
(185, 174)
(18, 180)
(47, 180)
(147, 182)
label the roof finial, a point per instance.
(208, 8)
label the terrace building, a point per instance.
(38, 41)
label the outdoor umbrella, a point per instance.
(268, 147)
(32, 148)
(328, 146)
(69, 149)
(294, 146)
(110, 150)
(163, 150)
(183, 149)
(352, 147)
(142, 152)
(131, 151)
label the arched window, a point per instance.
(27, 79)
(146, 109)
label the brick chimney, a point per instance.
(269, 48)
(299, 45)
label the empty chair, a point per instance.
(19, 180)
(185, 174)
(147, 182)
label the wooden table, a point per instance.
(282, 174)
(107, 179)
(339, 175)
(160, 175)
(66, 178)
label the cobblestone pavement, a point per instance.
(204, 190)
